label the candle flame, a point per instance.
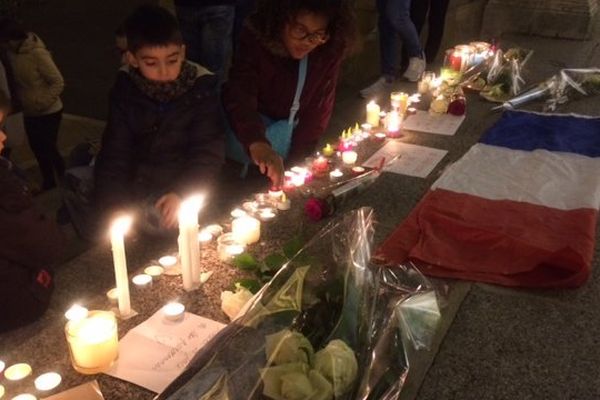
(76, 313)
(121, 225)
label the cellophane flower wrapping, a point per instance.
(572, 84)
(329, 325)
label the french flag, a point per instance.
(518, 209)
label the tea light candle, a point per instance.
(93, 342)
(380, 136)
(2, 390)
(17, 372)
(2, 365)
(168, 261)
(320, 165)
(215, 229)
(204, 237)
(47, 381)
(238, 212)
(118, 229)
(335, 175)
(246, 230)
(358, 170)
(275, 194)
(25, 396)
(112, 296)
(284, 204)
(76, 312)
(349, 157)
(173, 311)
(228, 247)
(328, 150)
(266, 214)
(373, 111)
(366, 128)
(142, 281)
(155, 271)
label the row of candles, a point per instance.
(19, 371)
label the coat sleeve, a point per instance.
(51, 75)
(240, 93)
(205, 149)
(314, 116)
(114, 166)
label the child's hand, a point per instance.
(268, 161)
(168, 205)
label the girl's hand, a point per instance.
(268, 161)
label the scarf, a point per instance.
(166, 91)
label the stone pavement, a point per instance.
(496, 343)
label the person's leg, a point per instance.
(53, 126)
(437, 21)
(398, 15)
(189, 26)
(418, 15)
(216, 27)
(43, 145)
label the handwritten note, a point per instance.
(155, 352)
(440, 124)
(409, 160)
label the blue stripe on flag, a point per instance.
(527, 131)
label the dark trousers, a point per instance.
(434, 11)
(42, 133)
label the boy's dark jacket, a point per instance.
(151, 148)
(30, 245)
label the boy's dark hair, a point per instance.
(270, 17)
(10, 29)
(151, 26)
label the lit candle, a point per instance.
(142, 281)
(358, 170)
(93, 342)
(320, 165)
(2, 390)
(76, 312)
(17, 372)
(246, 230)
(2, 365)
(373, 111)
(284, 204)
(228, 247)
(204, 237)
(168, 261)
(399, 101)
(298, 180)
(173, 311)
(266, 214)
(275, 194)
(189, 251)
(214, 229)
(47, 381)
(155, 271)
(237, 213)
(113, 296)
(349, 157)
(25, 396)
(380, 136)
(366, 128)
(335, 175)
(393, 122)
(328, 150)
(119, 228)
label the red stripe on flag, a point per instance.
(505, 242)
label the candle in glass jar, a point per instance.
(246, 230)
(119, 228)
(93, 342)
(373, 111)
(228, 247)
(393, 122)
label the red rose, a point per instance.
(316, 209)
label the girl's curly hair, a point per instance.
(270, 17)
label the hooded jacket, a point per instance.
(30, 245)
(38, 81)
(150, 148)
(262, 81)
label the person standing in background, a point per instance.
(207, 27)
(435, 13)
(38, 85)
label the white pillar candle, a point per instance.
(189, 251)
(119, 228)
(349, 157)
(142, 281)
(393, 121)
(17, 372)
(335, 175)
(173, 311)
(246, 230)
(93, 342)
(47, 381)
(373, 111)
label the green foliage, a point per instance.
(246, 262)
(252, 285)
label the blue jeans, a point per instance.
(394, 21)
(207, 34)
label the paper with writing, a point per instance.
(155, 352)
(413, 160)
(440, 124)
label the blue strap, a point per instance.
(299, 86)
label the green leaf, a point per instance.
(274, 261)
(291, 248)
(251, 284)
(246, 262)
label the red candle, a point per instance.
(456, 61)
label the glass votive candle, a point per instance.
(335, 175)
(349, 157)
(155, 271)
(228, 247)
(16, 372)
(93, 342)
(173, 311)
(47, 381)
(142, 281)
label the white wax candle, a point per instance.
(246, 230)
(93, 342)
(349, 157)
(119, 228)
(173, 311)
(275, 194)
(373, 111)
(393, 121)
(189, 251)
(47, 381)
(113, 296)
(335, 175)
(142, 281)
(284, 204)
(17, 372)
(155, 271)
(238, 212)
(25, 396)
(266, 214)
(358, 170)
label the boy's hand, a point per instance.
(168, 205)
(268, 161)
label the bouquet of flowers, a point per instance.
(504, 75)
(329, 325)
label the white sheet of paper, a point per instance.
(413, 160)
(440, 124)
(155, 352)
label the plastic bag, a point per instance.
(328, 325)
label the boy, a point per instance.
(29, 246)
(164, 138)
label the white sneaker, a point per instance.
(416, 67)
(380, 86)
